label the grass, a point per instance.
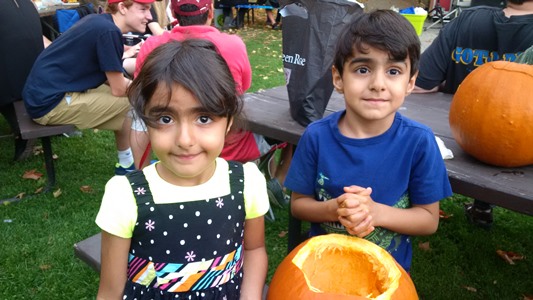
(38, 232)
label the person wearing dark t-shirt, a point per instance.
(477, 36)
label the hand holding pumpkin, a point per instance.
(354, 207)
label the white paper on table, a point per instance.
(445, 152)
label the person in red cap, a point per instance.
(79, 78)
(195, 17)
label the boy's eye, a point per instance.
(362, 70)
(164, 120)
(204, 120)
(394, 72)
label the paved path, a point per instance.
(427, 36)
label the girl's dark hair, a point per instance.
(193, 64)
(385, 30)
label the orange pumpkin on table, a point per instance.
(340, 267)
(491, 115)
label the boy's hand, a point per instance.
(354, 210)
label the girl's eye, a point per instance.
(165, 120)
(204, 120)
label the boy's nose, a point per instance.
(378, 81)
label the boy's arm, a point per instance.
(417, 220)
(306, 208)
(118, 83)
(255, 259)
(114, 266)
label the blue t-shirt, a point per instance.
(403, 166)
(74, 62)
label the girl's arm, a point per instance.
(255, 259)
(114, 266)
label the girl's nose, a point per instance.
(185, 136)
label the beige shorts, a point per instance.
(95, 108)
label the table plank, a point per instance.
(267, 112)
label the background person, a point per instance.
(190, 226)
(195, 18)
(67, 84)
(478, 35)
(21, 41)
(368, 170)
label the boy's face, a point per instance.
(374, 87)
(137, 16)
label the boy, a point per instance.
(78, 79)
(368, 170)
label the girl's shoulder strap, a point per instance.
(139, 186)
(236, 175)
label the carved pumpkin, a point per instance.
(491, 115)
(338, 267)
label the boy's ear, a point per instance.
(337, 80)
(411, 84)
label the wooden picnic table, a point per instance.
(268, 114)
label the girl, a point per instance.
(191, 225)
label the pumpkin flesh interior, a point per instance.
(350, 269)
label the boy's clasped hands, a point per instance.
(355, 209)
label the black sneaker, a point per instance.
(478, 216)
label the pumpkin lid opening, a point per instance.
(367, 270)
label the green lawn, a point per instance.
(37, 233)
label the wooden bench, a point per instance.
(268, 114)
(31, 130)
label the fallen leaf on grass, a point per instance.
(20, 195)
(55, 157)
(86, 189)
(444, 215)
(37, 150)
(57, 193)
(32, 174)
(509, 256)
(424, 246)
(45, 267)
(39, 190)
(282, 234)
(470, 289)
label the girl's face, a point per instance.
(186, 138)
(137, 16)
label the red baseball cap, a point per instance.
(202, 5)
(138, 1)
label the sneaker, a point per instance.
(478, 216)
(120, 170)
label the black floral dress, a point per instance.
(187, 250)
